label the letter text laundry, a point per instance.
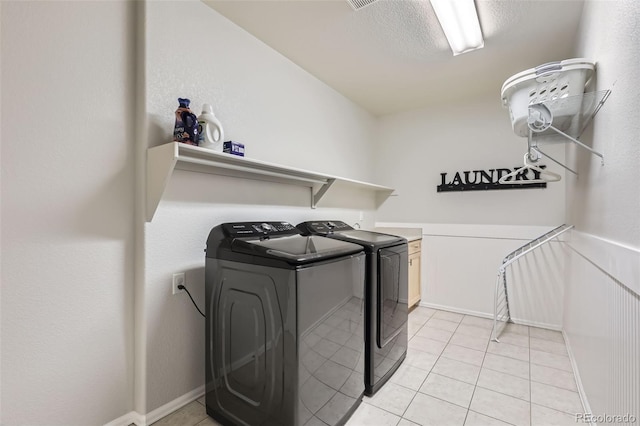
(484, 180)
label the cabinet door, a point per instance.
(414, 278)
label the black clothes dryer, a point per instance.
(284, 327)
(386, 276)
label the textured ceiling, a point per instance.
(392, 55)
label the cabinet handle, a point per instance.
(410, 262)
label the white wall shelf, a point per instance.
(162, 160)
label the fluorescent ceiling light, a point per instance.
(459, 20)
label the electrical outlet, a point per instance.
(178, 279)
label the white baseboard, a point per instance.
(489, 316)
(174, 405)
(456, 310)
(538, 324)
(160, 412)
(576, 375)
(129, 418)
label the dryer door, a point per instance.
(393, 282)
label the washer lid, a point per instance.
(369, 238)
(295, 249)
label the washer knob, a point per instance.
(266, 227)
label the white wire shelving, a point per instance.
(501, 310)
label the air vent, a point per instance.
(359, 4)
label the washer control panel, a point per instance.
(323, 227)
(258, 229)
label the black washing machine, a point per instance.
(387, 308)
(284, 328)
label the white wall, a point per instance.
(602, 307)
(68, 194)
(476, 229)
(67, 212)
(604, 200)
(414, 147)
(282, 115)
(280, 112)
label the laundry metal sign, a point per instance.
(483, 180)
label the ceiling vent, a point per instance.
(359, 4)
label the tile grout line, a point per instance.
(530, 381)
(489, 368)
(379, 408)
(435, 362)
(475, 386)
(535, 363)
(491, 417)
(555, 409)
(482, 366)
(449, 402)
(515, 397)
(418, 391)
(530, 349)
(553, 386)
(502, 393)
(463, 362)
(382, 409)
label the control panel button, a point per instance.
(261, 229)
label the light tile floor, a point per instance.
(454, 375)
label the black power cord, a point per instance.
(181, 287)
